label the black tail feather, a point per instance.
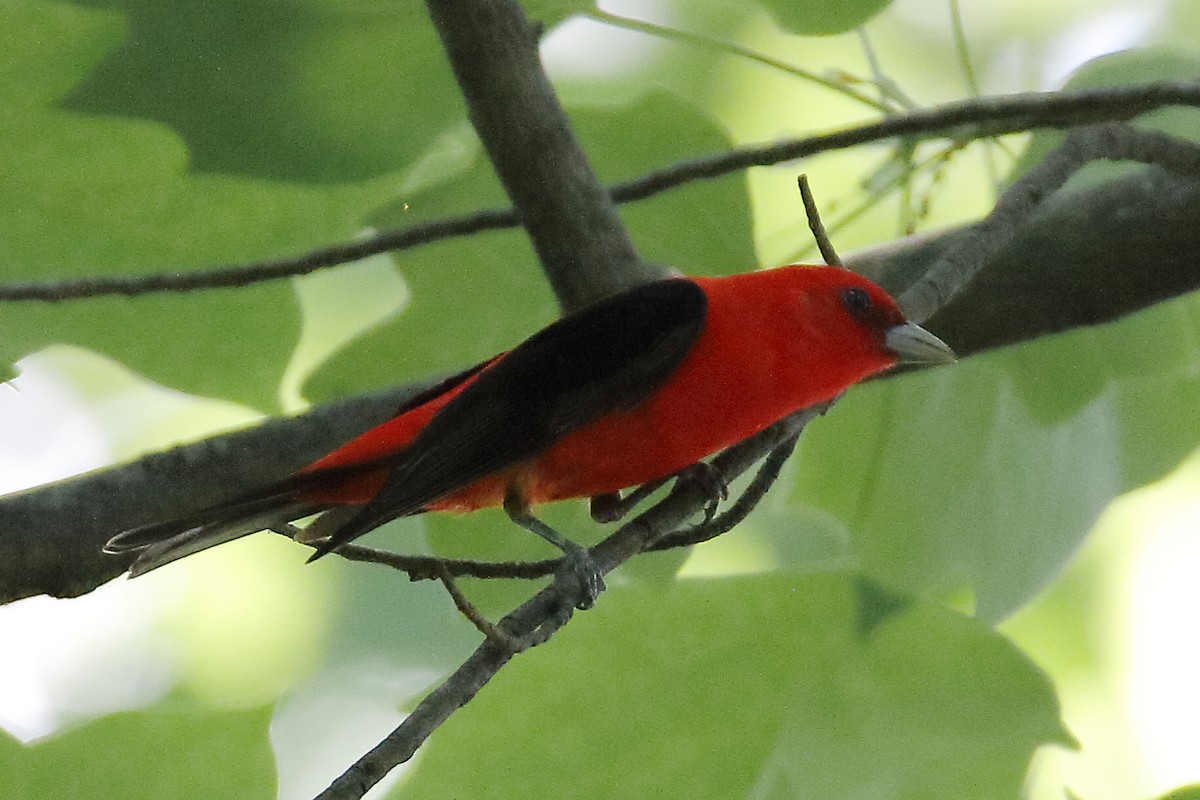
(161, 543)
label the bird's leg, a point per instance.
(613, 507)
(577, 561)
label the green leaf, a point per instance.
(84, 195)
(749, 687)
(704, 228)
(989, 473)
(147, 754)
(311, 90)
(485, 293)
(1122, 69)
(1183, 793)
(822, 17)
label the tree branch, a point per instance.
(52, 535)
(965, 120)
(1111, 141)
(1060, 272)
(580, 241)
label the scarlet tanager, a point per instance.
(630, 390)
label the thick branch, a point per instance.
(579, 239)
(1070, 267)
(51, 536)
(1084, 258)
(1062, 271)
(1112, 141)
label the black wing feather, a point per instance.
(607, 357)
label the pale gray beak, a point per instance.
(915, 345)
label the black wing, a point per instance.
(607, 357)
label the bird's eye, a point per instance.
(856, 301)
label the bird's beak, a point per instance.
(915, 345)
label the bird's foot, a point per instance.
(707, 477)
(579, 576)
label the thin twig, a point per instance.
(893, 96)
(961, 48)
(426, 568)
(1113, 141)
(828, 252)
(234, 275)
(969, 119)
(546, 612)
(972, 83)
(733, 48)
(490, 632)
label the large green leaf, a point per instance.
(309, 90)
(823, 17)
(750, 687)
(990, 473)
(147, 754)
(84, 195)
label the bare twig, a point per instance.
(425, 568)
(824, 244)
(733, 48)
(233, 276)
(969, 119)
(1112, 141)
(497, 636)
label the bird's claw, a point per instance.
(580, 576)
(707, 477)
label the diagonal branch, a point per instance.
(1111, 141)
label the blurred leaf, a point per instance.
(1122, 69)
(974, 474)
(552, 12)
(94, 196)
(309, 90)
(750, 687)
(703, 228)
(1183, 793)
(483, 294)
(147, 754)
(823, 17)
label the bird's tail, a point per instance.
(163, 542)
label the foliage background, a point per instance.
(842, 643)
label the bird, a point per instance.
(629, 390)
